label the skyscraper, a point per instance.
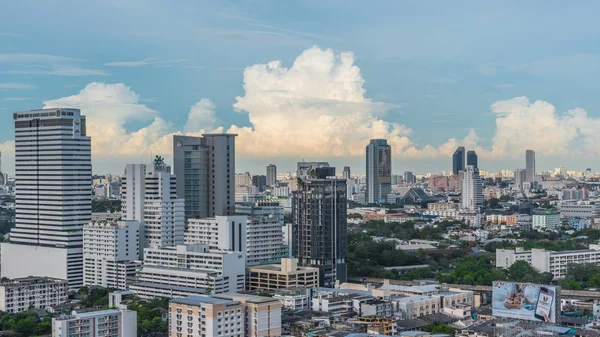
(379, 170)
(458, 160)
(472, 189)
(53, 195)
(149, 196)
(205, 167)
(271, 175)
(530, 166)
(409, 177)
(472, 159)
(346, 172)
(319, 236)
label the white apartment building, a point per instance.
(548, 261)
(262, 314)
(149, 196)
(416, 306)
(264, 236)
(189, 270)
(221, 232)
(579, 210)
(546, 221)
(110, 251)
(205, 316)
(337, 303)
(472, 189)
(53, 172)
(293, 299)
(18, 295)
(103, 323)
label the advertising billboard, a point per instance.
(384, 166)
(526, 301)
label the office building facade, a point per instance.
(53, 173)
(458, 160)
(205, 167)
(319, 228)
(346, 173)
(520, 178)
(271, 175)
(472, 159)
(379, 170)
(530, 166)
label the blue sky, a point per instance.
(438, 65)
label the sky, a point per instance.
(312, 80)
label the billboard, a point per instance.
(384, 165)
(526, 301)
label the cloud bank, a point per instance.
(318, 107)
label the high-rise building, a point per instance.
(379, 170)
(310, 169)
(243, 179)
(110, 251)
(221, 232)
(264, 237)
(53, 196)
(472, 159)
(205, 167)
(346, 172)
(149, 196)
(472, 189)
(409, 177)
(458, 160)
(319, 228)
(260, 182)
(530, 166)
(520, 177)
(271, 175)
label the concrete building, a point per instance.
(547, 220)
(53, 173)
(458, 160)
(103, 323)
(579, 209)
(409, 177)
(206, 316)
(243, 179)
(379, 170)
(221, 232)
(189, 270)
(205, 167)
(149, 196)
(264, 236)
(263, 314)
(110, 251)
(530, 166)
(346, 173)
(472, 159)
(309, 169)
(271, 175)
(377, 308)
(472, 189)
(22, 294)
(285, 275)
(548, 261)
(520, 178)
(319, 237)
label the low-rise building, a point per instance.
(287, 274)
(548, 261)
(112, 322)
(293, 299)
(206, 316)
(416, 306)
(582, 209)
(377, 308)
(263, 314)
(189, 270)
(547, 220)
(22, 294)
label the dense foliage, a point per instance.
(26, 324)
(581, 276)
(94, 297)
(149, 316)
(440, 328)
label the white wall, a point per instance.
(23, 261)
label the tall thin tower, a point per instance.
(379, 170)
(53, 173)
(530, 166)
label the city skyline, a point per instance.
(139, 97)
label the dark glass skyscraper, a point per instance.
(319, 236)
(379, 170)
(458, 160)
(472, 159)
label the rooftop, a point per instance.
(90, 314)
(196, 300)
(247, 297)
